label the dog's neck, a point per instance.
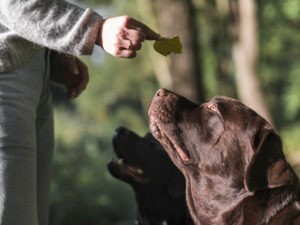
(208, 203)
(224, 207)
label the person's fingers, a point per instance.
(123, 43)
(135, 35)
(80, 81)
(130, 45)
(126, 50)
(84, 75)
(122, 36)
(131, 40)
(135, 46)
(127, 53)
(75, 82)
(147, 31)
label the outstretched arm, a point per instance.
(67, 28)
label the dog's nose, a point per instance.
(162, 92)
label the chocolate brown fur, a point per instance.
(232, 159)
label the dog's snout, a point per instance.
(162, 92)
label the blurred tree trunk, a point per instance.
(177, 17)
(245, 55)
(216, 16)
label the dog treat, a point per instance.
(165, 46)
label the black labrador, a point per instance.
(158, 185)
(232, 159)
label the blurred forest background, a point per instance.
(249, 50)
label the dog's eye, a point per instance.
(211, 106)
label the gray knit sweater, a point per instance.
(28, 25)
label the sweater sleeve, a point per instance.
(55, 24)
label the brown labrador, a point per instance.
(232, 159)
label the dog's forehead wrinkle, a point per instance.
(233, 110)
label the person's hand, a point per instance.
(70, 72)
(122, 36)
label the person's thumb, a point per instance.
(149, 33)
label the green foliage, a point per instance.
(83, 192)
(280, 42)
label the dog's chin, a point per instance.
(126, 172)
(167, 140)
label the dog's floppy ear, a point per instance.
(268, 167)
